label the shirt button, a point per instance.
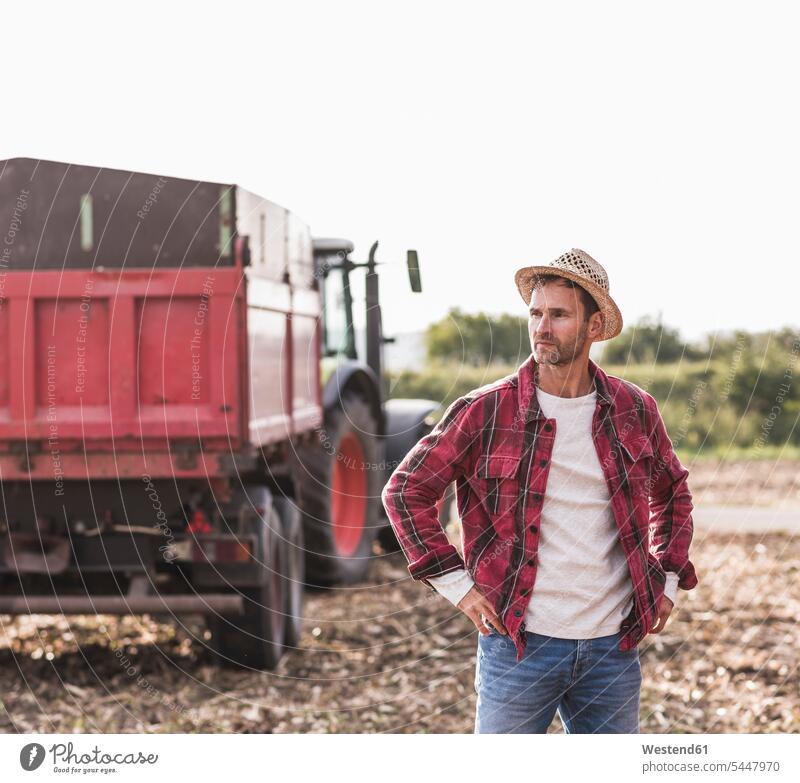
(533, 528)
(537, 495)
(531, 561)
(517, 613)
(548, 427)
(524, 591)
(543, 463)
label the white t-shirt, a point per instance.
(583, 586)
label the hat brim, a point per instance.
(612, 317)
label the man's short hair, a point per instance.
(589, 305)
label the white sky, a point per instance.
(662, 139)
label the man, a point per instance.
(576, 518)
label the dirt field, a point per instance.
(390, 656)
(773, 483)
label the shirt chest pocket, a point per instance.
(637, 464)
(496, 483)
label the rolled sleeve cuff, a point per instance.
(436, 564)
(687, 579)
(453, 586)
(671, 586)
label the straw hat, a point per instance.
(588, 274)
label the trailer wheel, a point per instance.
(339, 483)
(255, 639)
(293, 571)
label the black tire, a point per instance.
(255, 639)
(328, 562)
(293, 572)
(388, 540)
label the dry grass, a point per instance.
(389, 656)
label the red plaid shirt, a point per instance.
(495, 443)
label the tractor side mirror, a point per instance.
(412, 259)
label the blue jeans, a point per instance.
(593, 685)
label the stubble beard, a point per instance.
(561, 355)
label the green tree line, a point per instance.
(737, 393)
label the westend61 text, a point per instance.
(675, 749)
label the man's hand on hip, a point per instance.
(476, 606)
(664, 609)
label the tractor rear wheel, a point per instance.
(339, 482)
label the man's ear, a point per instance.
(596, 322)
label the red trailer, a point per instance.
(163, 419)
